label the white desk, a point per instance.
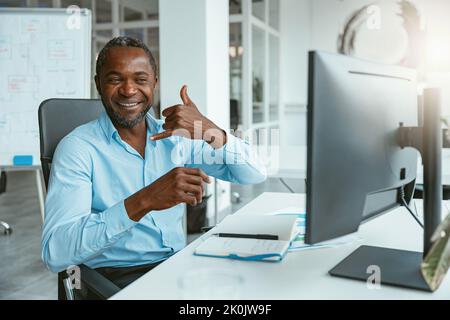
(301, 275)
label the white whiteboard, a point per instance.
(44, 53)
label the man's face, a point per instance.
(125, 84)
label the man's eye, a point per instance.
(141, 81)
(113, 80)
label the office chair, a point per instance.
(57, 118)
(6, 227)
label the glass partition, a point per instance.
(258, 73)
(274, 78)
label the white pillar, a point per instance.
(295, 30)
(194, 41)
(115, 16)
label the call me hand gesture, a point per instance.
(187, 121)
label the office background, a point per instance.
(245, 62)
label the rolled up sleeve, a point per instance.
(236, 161)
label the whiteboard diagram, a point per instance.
(41, 57)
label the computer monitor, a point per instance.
(356, 168)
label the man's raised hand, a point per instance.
(187, 121)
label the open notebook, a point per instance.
(284, 227)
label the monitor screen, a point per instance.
(354, 164)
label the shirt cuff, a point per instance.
(234, 151)
(117, 220)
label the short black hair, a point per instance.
(124, 41)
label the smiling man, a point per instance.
(117, 188)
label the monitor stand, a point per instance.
(397, 267)
(400, 267)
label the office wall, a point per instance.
(218, 81)
(295, 41)
(328, 16)
(192, 32)
(316, 24)
(437, 13)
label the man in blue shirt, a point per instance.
(118, 185)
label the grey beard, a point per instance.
(124, 123)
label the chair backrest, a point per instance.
(57, 118)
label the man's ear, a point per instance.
(156, 82)
(97, 85)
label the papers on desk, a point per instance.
(298, 243)
(243, 249)
(282, 226)
(287, 224)
(253, 249)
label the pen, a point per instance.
(252, 236)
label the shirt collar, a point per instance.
(110, 130)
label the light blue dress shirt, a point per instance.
(94, 171)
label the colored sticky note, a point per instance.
(23, 160)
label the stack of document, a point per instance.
(262, 237)
(298, 243)
(251, 237)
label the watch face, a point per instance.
(378, 32)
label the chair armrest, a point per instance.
(98, 283)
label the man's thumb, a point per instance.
(184, 96)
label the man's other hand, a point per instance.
(180, 185)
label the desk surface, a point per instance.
(300, 275)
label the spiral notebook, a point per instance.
(250, 249)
